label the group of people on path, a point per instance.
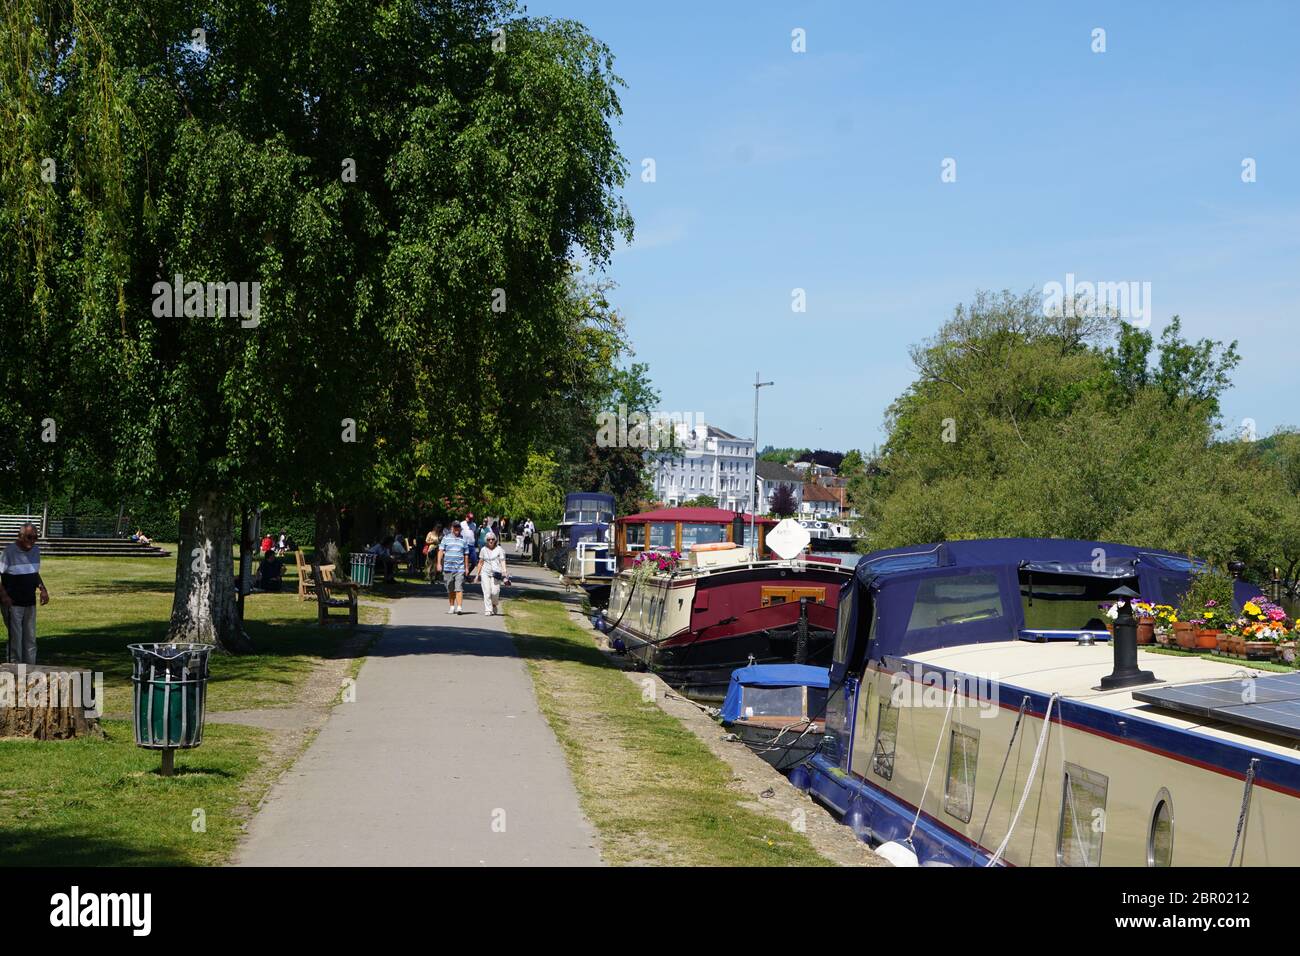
(467, 550)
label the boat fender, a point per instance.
(800, 778)
(899, 854)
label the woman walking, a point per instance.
(491, 571)
(431, 554)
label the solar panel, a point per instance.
(1269, 703)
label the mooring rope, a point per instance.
(938, 745)
(1024, 703)
(1243, 816)
(1029, 781)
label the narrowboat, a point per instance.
(777, 710)
(975, 719)
(716, 605)
(582, 552)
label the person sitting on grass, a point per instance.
(270, 573)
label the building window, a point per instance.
(955, 599)
(1160, 841)
(1083, 817)
(963, 754)
(882, 761)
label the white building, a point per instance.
(772, 475)
(710, 462)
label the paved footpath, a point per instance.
(443, 759)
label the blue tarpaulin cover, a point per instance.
(770, 675)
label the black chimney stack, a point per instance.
(1125, 645)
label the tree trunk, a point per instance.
(327, 533)
(203, 607)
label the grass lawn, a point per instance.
(97, 801)
(652, 789)
(93, 802)
(100, 605)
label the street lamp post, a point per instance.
(753, 507)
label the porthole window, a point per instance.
(1160, 840)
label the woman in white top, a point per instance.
(491, 571)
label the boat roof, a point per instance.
(693, 515)
(1064, 555)
(1074, 671)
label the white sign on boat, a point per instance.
(788, 539)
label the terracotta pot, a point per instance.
(1146, 630)
(1230, 644)
(1165, 639)
(1207, 640)
(1287, 651)
(1184, 635)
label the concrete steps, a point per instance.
(98, 548)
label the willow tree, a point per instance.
(303, 249)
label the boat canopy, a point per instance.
(769, 675)
(587, 507)
(907, 600)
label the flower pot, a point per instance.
(1231, 644)
(1207, 640)
(1259, 650)
(1164, 638)
(1287, 651)
(1146, 630)
(1184, 635)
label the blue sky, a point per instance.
(821, 171)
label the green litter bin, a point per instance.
(363, 568)
(169, 693)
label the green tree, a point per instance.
(1021, 424)
(405, 191)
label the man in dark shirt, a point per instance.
(20, 580)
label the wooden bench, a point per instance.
(306, 585)
(325, 587)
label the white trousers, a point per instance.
(491, 592)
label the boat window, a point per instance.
(1083, 817)
(963, 753)
(1064, 601)
(956, 599)
(661, 535)
(882, 761)
(702, 534)
(634, 535)
(1160, 841)
(774, 702)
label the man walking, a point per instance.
(452, 550)
(20, 580)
